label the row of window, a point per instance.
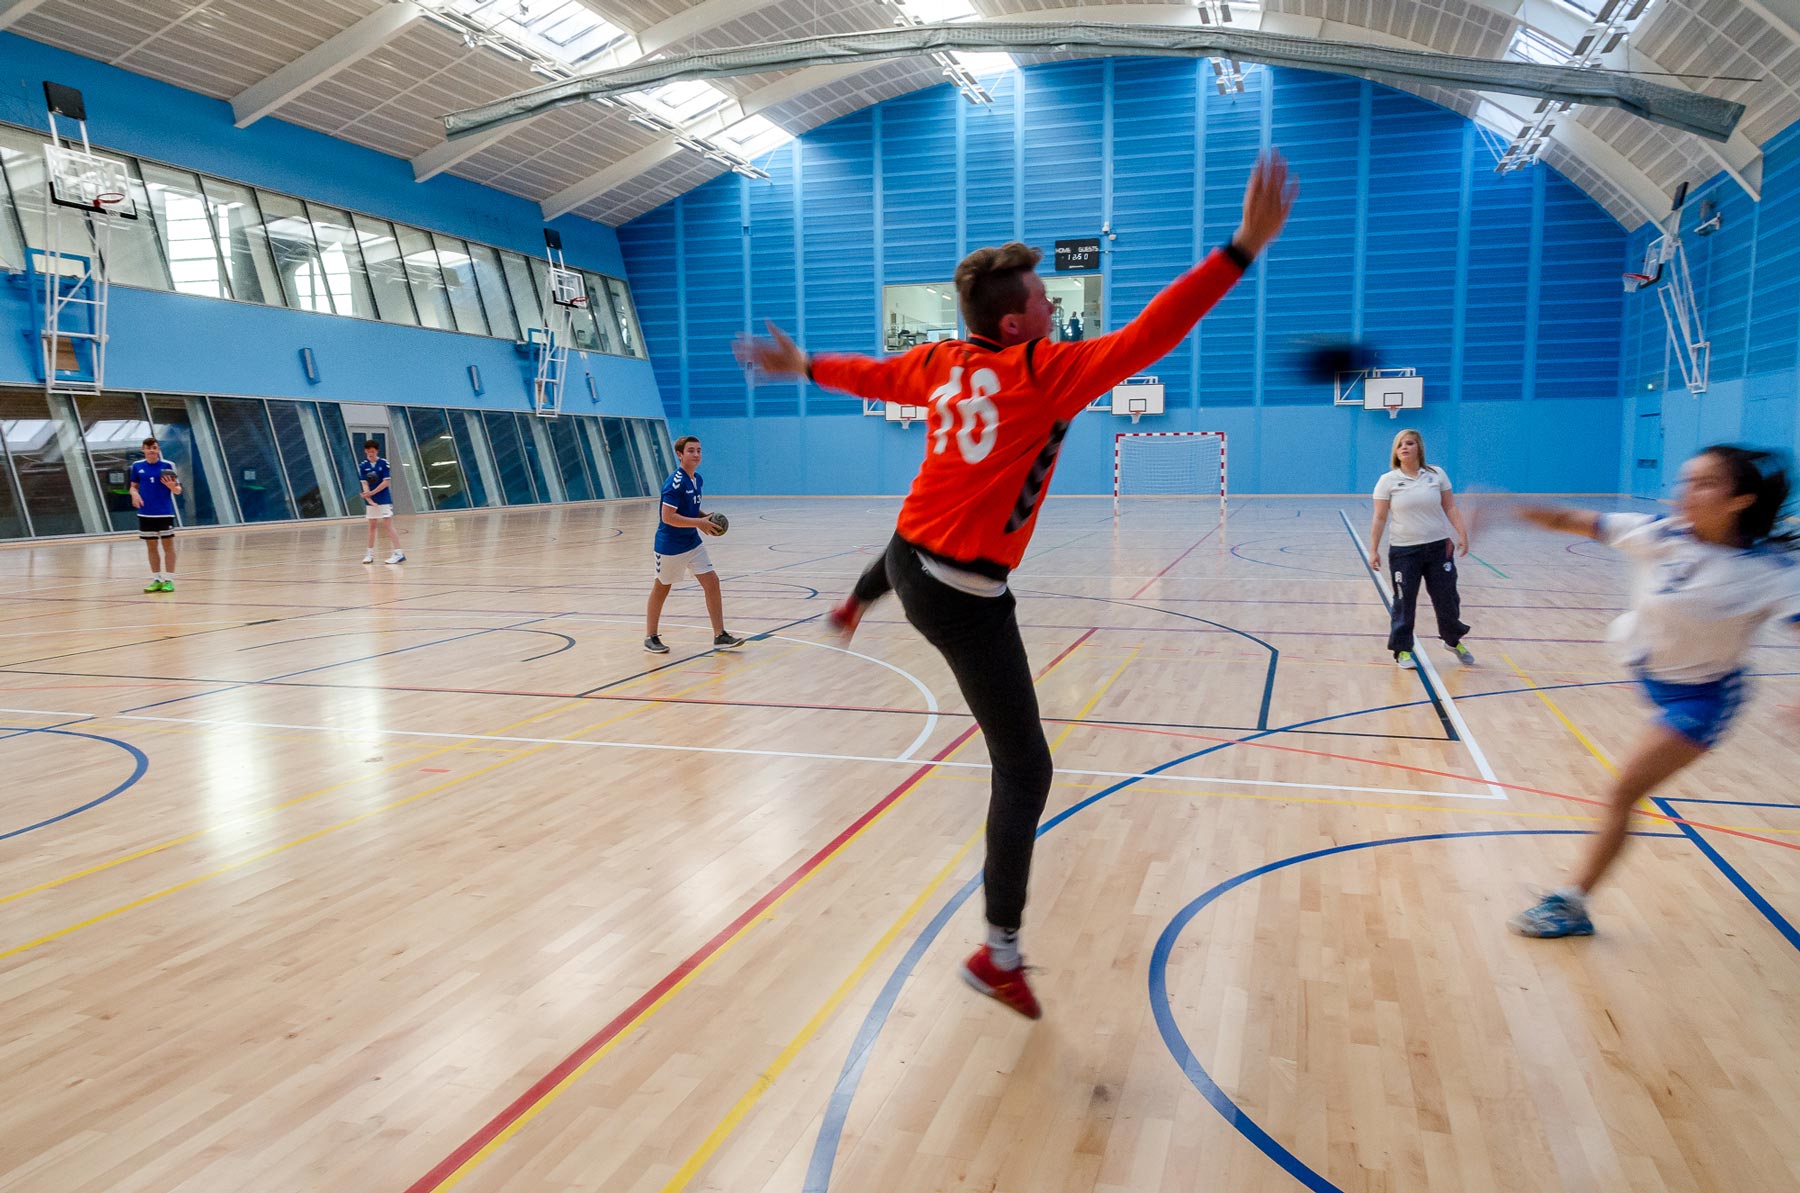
(66, 461)
(201, 235)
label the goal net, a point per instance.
(1168, 464)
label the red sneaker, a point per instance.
(1004, 985)
(844, 619)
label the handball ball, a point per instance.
(721, 521)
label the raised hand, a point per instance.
(776, 356)
(1268, 197)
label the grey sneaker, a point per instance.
(1463, 654)
(1404, 660)
(654, 644)
(1553, 916)
(727, 641)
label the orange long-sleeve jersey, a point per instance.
(997, 416)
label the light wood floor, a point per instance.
(432, 878)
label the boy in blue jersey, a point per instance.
(679, 551)
(154, 487)
(378, 500)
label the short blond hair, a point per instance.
(1394, 452)
(990, 285)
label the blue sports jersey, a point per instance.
(681, 493)
(373, 474)
(158, 501)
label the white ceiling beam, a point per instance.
(444, 154)
(16, 10)
(321, 62)
(1782, 15)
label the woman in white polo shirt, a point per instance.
(1413, 502)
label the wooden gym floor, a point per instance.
(319, 876)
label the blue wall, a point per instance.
(188, 344)
(1747, 281)
(1502, 291)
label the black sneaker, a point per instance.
(727, 642)
(654, 644)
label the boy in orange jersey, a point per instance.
(999, 405)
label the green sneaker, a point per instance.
(168, 586)
(153, 586)
(1405, 661)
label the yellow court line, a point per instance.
(181, 886)
(630, 1029)
(1584, 739)
(766, 1079)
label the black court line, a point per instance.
(698, 655)
(775, 705)
(1418, 669)
(568, 642)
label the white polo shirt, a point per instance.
(1415, 506)
(1695, 606)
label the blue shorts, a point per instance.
(1700, 712)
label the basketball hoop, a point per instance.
(107, 199)
(1637, 281)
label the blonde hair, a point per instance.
(1394, 452)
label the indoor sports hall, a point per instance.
(457, 732)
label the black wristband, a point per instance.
(1231, 249)
(809, 364)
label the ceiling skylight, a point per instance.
(1532, 45)
(560, 31)
(754, 136)
(933, 12)
(681, 102)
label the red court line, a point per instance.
(642, 1004)
(1140, 592)
(1445, 774)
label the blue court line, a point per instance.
(1177, 1044)
(1743, 884)
(818, 1179)
(141, 765)
(326, 666)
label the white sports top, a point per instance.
(1695, 606)
(1416, 506)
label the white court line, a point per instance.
(676, 748)
(1431, 672)
(47, 712)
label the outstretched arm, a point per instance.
(1585, 523)
(1075, 374)
(864, 376)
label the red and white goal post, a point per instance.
(1168, 464)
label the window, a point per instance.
(12, 511)
(195, 456)
(632, 483)
(303, 451)
(537, 448)
(22, 158)
(134, 258)
(593, 449)
(249, 447)
(237, 225)
(387, 272)
(12, 253)
(114, 427)
(566, 438)
(46, 457)
(509, 457)
(303, 274)
(632, 336)
(477, 461)
(346, 457)
(444, 478)
(1532, 45)
(185, 227)
(600, 303)
(340, 256)
(426, 278)
(524, 290)
(917, 315)
(1074, 305)
(459, 277)
(492, 281)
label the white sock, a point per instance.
(1572, 894)
(1003, 947)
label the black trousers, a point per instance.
(979, 639)
(1435, 564)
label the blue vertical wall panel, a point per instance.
(1530, 263)
(713, 276)
(657, 293)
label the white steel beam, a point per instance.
(321, 62)
(16, 10)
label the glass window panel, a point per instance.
(666, 448)
(1074, 306)
(346, 457)
(624, 462)
(22, 157)
(426, 277)
(459, 277)
(302, 443)
(536, 444)
(47, 458)
(501, 320)
(509, 456)
(403, 455)
(341, 258)
(12, 246)
(250, 454)
(566, 439)
(593, 449)
(303, 274)
(477, 464)
(604, 318)
(626, 315)
(114, 428)
(12, 511)
(437, 455)
(237, 225)
(387, 272)
(185, 227)
(645, 446)
(183, 431)
(523, 285)
(917, 314)
(133, 257)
